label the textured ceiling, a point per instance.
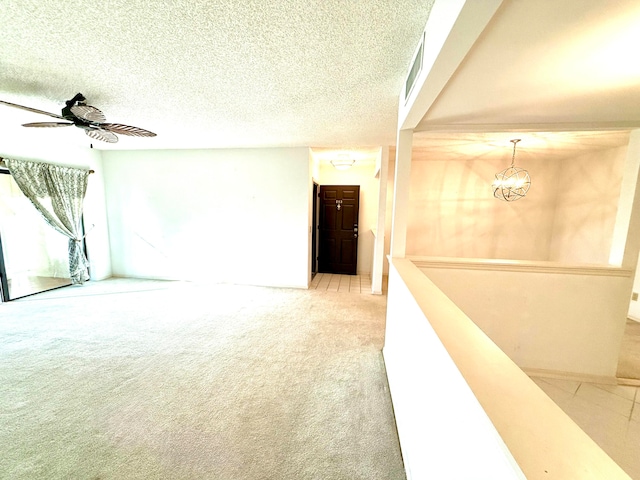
(213, 73)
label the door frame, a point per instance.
(316, 227)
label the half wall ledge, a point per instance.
(520, 266)
(433, 352)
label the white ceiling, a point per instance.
(566, 62)
(561, 75)
(212, 73)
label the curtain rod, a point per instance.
(2, 164)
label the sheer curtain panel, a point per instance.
(58, 193)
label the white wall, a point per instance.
(95, 217)
(453, 212)
(233, 216)
(437, 414)
(379, 253)
(587, 202)
(389, 217)
(313, 166)
(454, 391)
(561, 320)
(568, 214)
(363, 174)
(634, 305)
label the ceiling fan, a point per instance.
(89, 118)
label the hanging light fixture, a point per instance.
(512, 183)
(343, 162)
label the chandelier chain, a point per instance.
(513, 157)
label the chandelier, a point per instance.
(512, 183)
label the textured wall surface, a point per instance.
(567, 216)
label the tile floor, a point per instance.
(332, 282)
(609, 414)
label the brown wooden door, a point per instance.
(339, 207)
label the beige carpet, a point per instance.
(629, 360)
(176, 381)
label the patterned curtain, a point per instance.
(57, 192)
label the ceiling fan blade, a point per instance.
(34, 110)
(101, 134)
(47, 124)
(127, 130)
(88, 113)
